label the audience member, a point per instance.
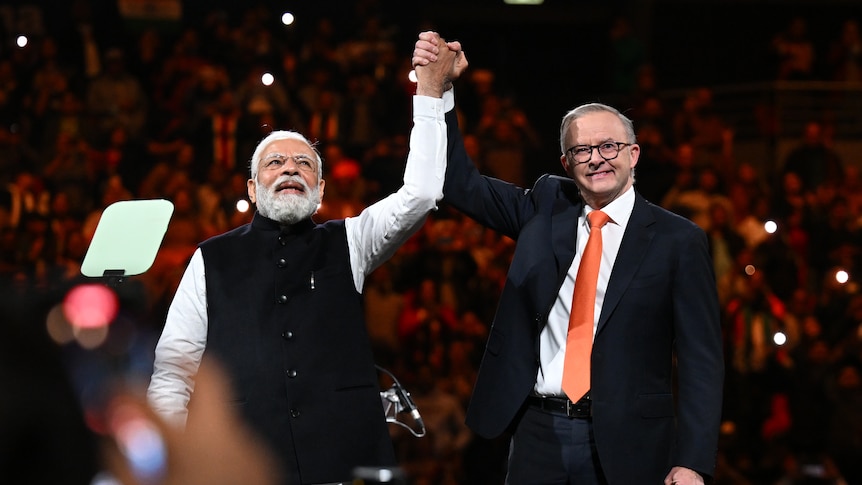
(627, 56)
(813, 159)
(794, 51)
(845, 53)
(116, 98)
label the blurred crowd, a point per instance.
(86, 121)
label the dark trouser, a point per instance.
(549, 448)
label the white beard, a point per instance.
(287, 208)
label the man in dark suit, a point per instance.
(653, 405)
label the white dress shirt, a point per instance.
(552, 340)
(372, 237)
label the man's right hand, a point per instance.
(437, 63)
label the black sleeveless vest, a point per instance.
(286, 322)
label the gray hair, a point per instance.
(586, 109)
(283, 135)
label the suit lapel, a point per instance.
(633, 248)
(564, 233)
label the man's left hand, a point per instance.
(683, 476)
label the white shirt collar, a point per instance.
(619, 210)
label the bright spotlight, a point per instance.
(770, 227)
(287, 18)
(779, 338)
(22, 41)
(242, 205)
(412, 76)
(267, 79)
(842, 276)
(750, 269)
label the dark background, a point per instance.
(549, 57)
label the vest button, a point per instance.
(287, 335)
(282, 299)
(282, 240)
(294, 413)
(291, 373)
(281, 263)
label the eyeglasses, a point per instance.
(608, 150)
(276, 160)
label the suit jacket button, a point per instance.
(282, 299)
(291, 373)
(288, 335)
(294, 413)
(281, 263)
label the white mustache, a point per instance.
(289, 178)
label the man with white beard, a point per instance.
(277, 303)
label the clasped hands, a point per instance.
(437, 63)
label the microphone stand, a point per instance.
(395, 400)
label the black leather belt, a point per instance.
(560, 405)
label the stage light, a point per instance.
(412, 76)
(22, 41)
(242, 205)
(287, 18)
(267, 79)
(842, 276)
(779, 338)
(770, 227)
(90, 306)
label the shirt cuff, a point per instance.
(429, 107)
(448, 100)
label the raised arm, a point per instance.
(494, 203)
(381, 228)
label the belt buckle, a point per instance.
(573, 410)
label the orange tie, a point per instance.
(579, 341)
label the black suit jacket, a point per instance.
(660, 308)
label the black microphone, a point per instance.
(408, 404)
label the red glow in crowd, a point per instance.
(90, 306)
